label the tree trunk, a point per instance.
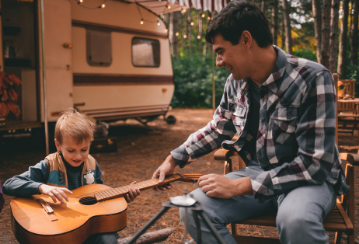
(200, 32)
(333, 42)
(172, 33)
(354, 34)
(275, 21)
(343, 40)
(209, 45)
(317, 14)
(282, 36)
(325, 33)
(189, 30)
(288, 29)
(263, 7)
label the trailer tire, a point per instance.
(171, 120)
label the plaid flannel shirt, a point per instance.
(295, 144)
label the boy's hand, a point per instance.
(132, 193)
(55, 192)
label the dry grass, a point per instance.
(140, 152)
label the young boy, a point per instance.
(67, 169)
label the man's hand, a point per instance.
(166, 168)
(132, 193)
(55, 192)
(222, 187)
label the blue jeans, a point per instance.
(300, 212)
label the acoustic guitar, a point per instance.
(91, 209)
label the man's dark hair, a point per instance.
(237, 17)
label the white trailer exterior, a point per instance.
(106, 92)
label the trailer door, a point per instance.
(58, 57)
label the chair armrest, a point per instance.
(353, 159)
(223, 154)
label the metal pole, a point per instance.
(44, 77)
(213, 86)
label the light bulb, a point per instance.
(198, 37)
(158, 23)
(184, 36)
(169, 6)
(192, 23)
(177, 33)
(183, 11)
(203, 15)
(141, 22)
(103, 5)
(208, 18)
(166, 30)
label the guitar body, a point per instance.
(71, 222)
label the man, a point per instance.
(283, 109)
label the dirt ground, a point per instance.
(140, 151)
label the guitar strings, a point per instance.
(91, 195)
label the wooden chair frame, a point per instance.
(348, 117)
(350, 90)
(339, 220)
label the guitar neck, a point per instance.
(143, 185)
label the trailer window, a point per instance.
(145, 52)
(99, 51)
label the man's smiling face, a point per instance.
(231, 57)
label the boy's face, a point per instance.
(72, 152)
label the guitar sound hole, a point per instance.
(88, 201)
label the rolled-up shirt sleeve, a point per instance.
(208, 138)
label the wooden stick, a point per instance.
(150, 237)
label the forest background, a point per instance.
(325, 31)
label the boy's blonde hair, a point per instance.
(74, 125)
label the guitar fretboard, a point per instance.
(143, 185)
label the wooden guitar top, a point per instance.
(67, 216)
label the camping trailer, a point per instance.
(109, 59)
(110, 62)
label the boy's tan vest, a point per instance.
(57, 175)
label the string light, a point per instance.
(158, 23)
(208, 18)
(79, 2)
(185, 36)
(192, 23)
(177, 34)
(203, 15)
(166, 30)
(141, 21)
(198, 37)
(183, 11)
(168, 6)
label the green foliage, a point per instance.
(193, 82)
(306, 53)
(352, 73)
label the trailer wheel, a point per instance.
(171, 120)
